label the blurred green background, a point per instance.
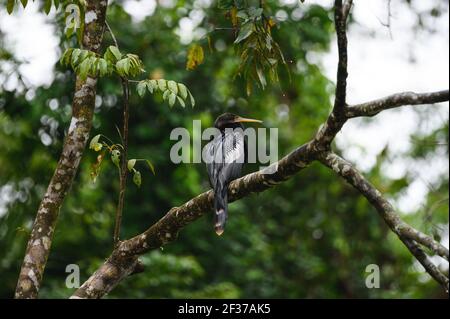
(311, 237)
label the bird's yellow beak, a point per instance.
(243, 119)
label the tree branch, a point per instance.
(400, 99)
(123, 259)
(405, 232)
(337, 118)
(124, 155)
(124, 159)
(340, 22)
(346, 8)
(40, 241)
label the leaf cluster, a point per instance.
(171, 91)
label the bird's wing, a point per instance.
(225, 156)
(210, 157)
(234, 149)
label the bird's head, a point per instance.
(230, 120)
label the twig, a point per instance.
(340, 20)
(124, 155)
(112, 34)
(400, 99)
(123, 163)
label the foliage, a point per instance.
(87, 63)
(195, 56)
(311, 237)
(171, 91)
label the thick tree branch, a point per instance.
(400, 99)
(405, 232)
(40, 241)
(123, 259)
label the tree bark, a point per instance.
(83, 104)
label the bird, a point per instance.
(225, 157)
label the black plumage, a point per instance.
(225, 156)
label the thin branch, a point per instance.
(427, 241)
(337, 118)
(340, 21)
(389, 16)
(124, 155)
(405, 232)
(112, 34)
(39, 244)
(430, 268)
(400, 99)
(346, 8)
(123, 162)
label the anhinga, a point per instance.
(225, 156)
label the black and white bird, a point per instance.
(225, 155)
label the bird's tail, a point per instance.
(220, 207)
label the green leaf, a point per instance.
(115, 157)
(47, 6)
(115, 52)
(94, 141)
(191, 97)
(162, 84)
(102, 66)
(74, 58)
(255, 12)
(152, 85)
(137, 178)
(261, 77)
(98, 147)
(245, 32)
(173, 86)
(181, 101)
(84, 54)
(24, 3)
(141, 88)
(93, 66)
(172, 98)
(136, 66)
(150, 165)
(183, 90)
(123, 67)
(83, 69)
(65, 58)
(10, 6)
(166, 94)
(242, 14)
(131, 164)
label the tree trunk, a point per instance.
(40, 241)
